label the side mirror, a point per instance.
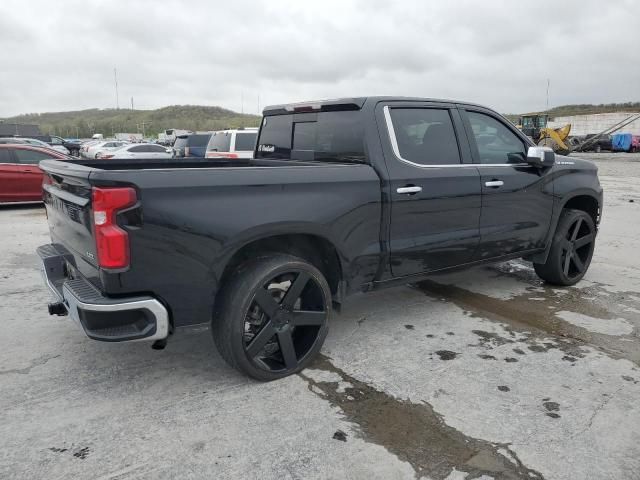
(541, 157)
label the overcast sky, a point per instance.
(60, 55)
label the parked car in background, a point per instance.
(103, 147)
(168, 137)
(35, 142)
(238, 143)
(192, 145)
(84, 146)
(20, 176)
(46, 141)
(138, 150)
(626, 142)
(600, 144)
(57, 142)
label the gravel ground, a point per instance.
(486, 373)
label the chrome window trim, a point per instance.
(396, 151)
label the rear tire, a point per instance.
(272, 316)
(571, 249)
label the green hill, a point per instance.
(84, 123)
(584, 109)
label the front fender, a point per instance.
(571, 178)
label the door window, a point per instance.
(246, 141)
(156, 149)
(31, 156)
(495, 142)
(5, 156)
(138, 148)
(425, 136)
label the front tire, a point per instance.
(571, 249)
(272, 317)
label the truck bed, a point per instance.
(191, 215)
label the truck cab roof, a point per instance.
(350, 103)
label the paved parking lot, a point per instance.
(486, 373)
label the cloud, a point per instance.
(244, 54)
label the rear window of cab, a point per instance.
(337, 136)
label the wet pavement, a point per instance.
(487, 373)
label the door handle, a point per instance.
(409, 189)
(494, 183)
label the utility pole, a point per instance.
(242, 101)
(115, 79)
(143, 124)
(548, 85)
(132, 103)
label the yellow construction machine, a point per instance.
(534, 126)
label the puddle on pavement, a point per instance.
(413, 431)
(538, 313)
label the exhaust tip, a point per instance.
(57, 308)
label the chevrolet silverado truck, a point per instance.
(341, 196)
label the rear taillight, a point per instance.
(221, 155)
(112, 242)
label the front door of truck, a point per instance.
(517, 198)
(435, 190)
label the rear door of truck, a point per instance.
(435, 187)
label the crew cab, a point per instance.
(342, 196)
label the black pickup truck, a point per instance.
(342, 196)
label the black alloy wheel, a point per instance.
(284, 320)
(571, 249)
(577, 248)
(273, 317)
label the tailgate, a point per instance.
(67, 198)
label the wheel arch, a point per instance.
(587, 200)
(317, 249)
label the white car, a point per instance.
(36, 143)
(103, 147)
(84, 147)
(239, 143)
(138, 150)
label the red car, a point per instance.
(20, 177)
